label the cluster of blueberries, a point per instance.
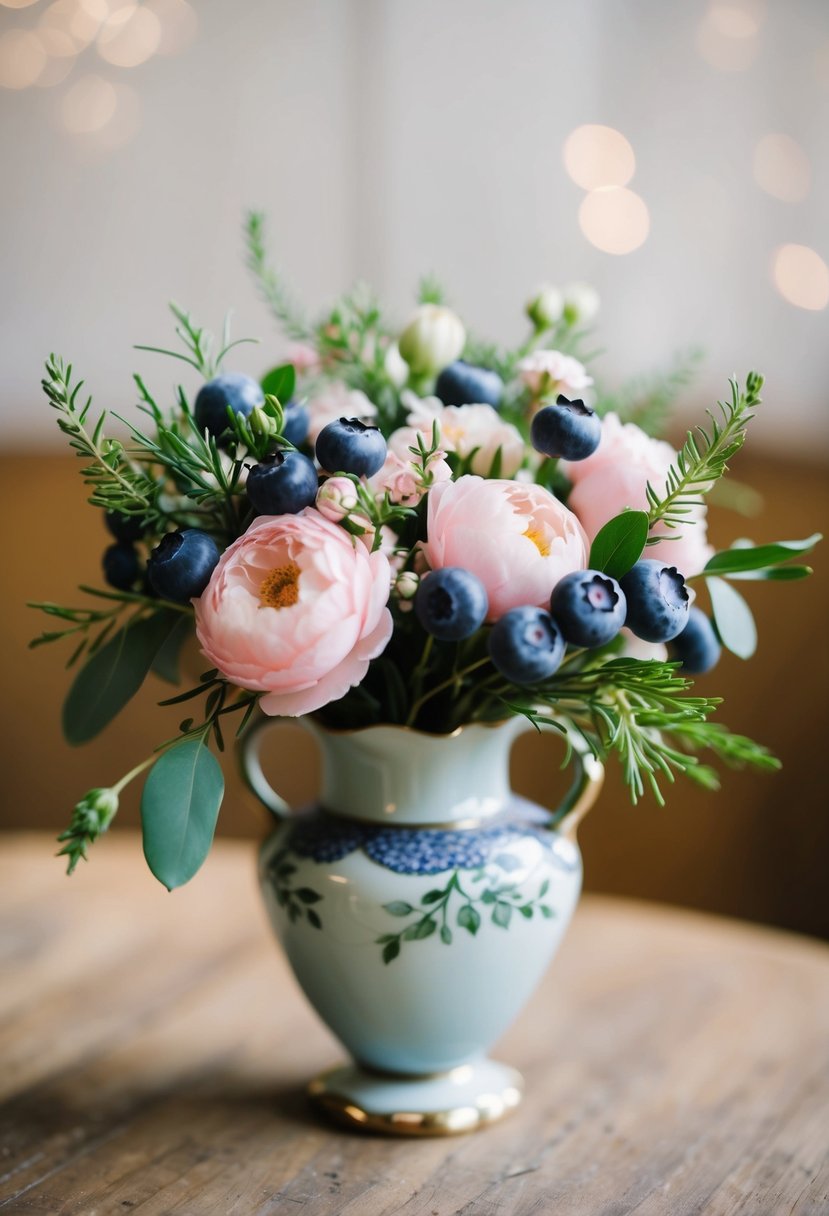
(527, 645)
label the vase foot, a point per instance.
(439, 1104)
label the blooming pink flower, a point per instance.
(403, 476)
(616, 476)
(518, 539)
(336, 400)
(465, 429)
(549, 371)
(295, 609)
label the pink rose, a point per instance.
(518, 539)
(549, 371)
(615, 477)
(295, 609)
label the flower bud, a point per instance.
(396, 366)
(581, 303)
(406, 584)
(336, 498)
(546, 307)
(97, 808)
(262, 423)
(433, 339)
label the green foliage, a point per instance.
(647, 400)
(619, 544)
(269, 282)
(703, 459)
(179, 808)
(201, 351)
(280, 382)
(745, 557)
(430, 290)
(732, 618)
(90, 819)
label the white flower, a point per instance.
(397, 369)
(433, 338)
(545, 307)
(337, 401)
(581, 302)
(550, 371)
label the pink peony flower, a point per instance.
(295, 609)
(336, 400)
(549, 371)
(518, 539)
(615, 477)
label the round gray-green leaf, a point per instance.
(179, 808)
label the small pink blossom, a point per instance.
(295, 609)
(403, 475)
(616, 477)
(336, 498)
(303, 356)
(465, 429)
(550, 371)
(335, 401)
(518, 539)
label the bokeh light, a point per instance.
(801, 276)
(22, 59)
(129, 36)
(179, 24)
(727, 34)
(614, 219)
(17, 3)
(76, 21)
(782, 168)
(596, 156)
(88, 105)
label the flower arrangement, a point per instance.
(407, 527)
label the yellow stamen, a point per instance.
(280, 587)
(539, 540)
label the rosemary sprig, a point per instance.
(268, 281)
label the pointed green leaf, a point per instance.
(391, 950)
(446, 935)
(469, 918)
(398, 907)
(425, 929)
(757, 557)
(307, 896)
(432, 897)
(112, 676)
(166, 662)
(773, 574)
(280, 382)
(501, 915)
(732, 618)
(179, 808)
(620, 543)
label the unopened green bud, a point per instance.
(545, 307)
(262, 423)
(434, 338)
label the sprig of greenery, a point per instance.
(116, 482)
(703, 458)
(199, 344)
(268, 281)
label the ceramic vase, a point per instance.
(419, 903)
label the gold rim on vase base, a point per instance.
(458, 1120)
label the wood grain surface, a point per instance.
(154, 1049)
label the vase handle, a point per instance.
(251, 766)
(586, 785)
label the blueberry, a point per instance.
(283, 484)
(697, 646)
(526, 645)
(588, 607)
(124, 527)
(180, 566)
(462, 384)
(569, 429)
(451, 603)
(233, 389)
(351, 446)
(295, 423)
(658, 600)
(121, 566)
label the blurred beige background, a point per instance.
(385, 139)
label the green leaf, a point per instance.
(398, 907)
(391, 950)
(544, 888)
(313, 919)
(165, 665)
(757, 557)
(446, 935)
(620, 543)
(526, 911)
(179, 808)
(469, 918)
(425, 929)
(508, 862)
(733, 619)
(112, 677)
(773, 574)
(307, 896)
(432, 897)
(546, 911)
(280, 382)
(501, 915)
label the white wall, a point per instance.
(391, 137)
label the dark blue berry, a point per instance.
(569, 429)
(451, 603)
(233, 389)
(283, 484)
(658, 600)
(351, 446)
(124, 527)
(462, 384)
(697, 646)
(295, 423)
(526, 645)
(588, 607)
(121, 566)
(180, 566)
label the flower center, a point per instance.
(539, 540)
(280, 587)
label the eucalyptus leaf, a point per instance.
(733, 619)
(620, 543)
(757, 557)
(112, 676)
(774, 574)
(166, 662)
(280, 382)
(179, 808)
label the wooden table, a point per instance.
(154, 1047)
